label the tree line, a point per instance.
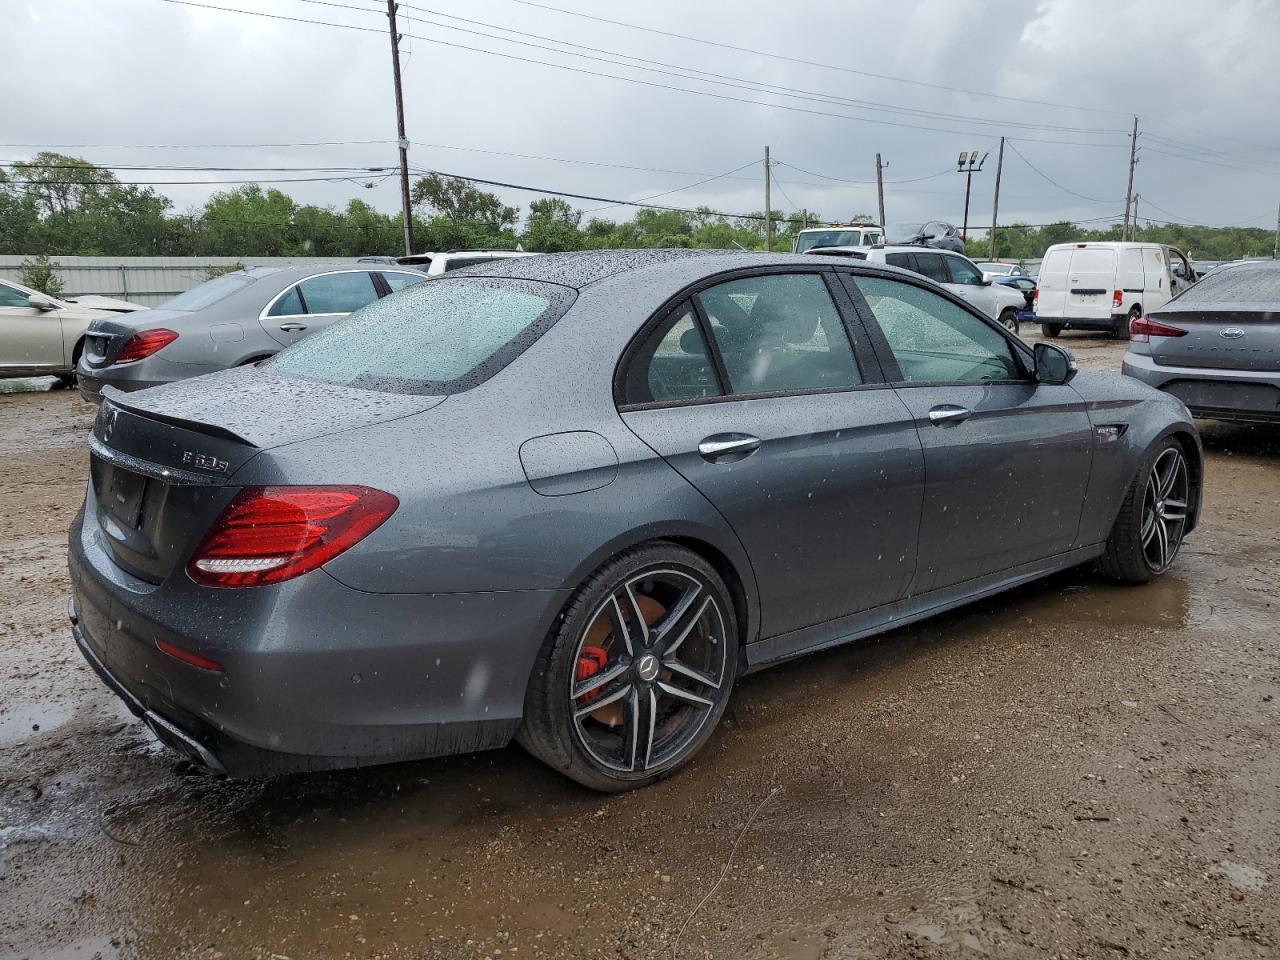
(57, 205)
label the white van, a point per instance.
(1107, 285)
(854, 235)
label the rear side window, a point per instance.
(779, 333)
(338, 292)
(398, 281)
(289, 305)
(962, 271)
(433, 338)
(673, 364)
(932, 266)
(903, 260)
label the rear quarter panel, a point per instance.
(1148, 416)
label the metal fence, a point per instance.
(145, 280)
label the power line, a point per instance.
(814, 63)
(824, 176)
(586, 72)
(689, 186)
(741, 82)
(190, 146)
(1055, 182)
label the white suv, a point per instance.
(434, 264)
(957, 273)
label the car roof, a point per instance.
(586, 267)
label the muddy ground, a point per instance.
(1070, 770)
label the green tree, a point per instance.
(459, 200)
(552, 227)
(41, 273)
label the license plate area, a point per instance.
(125, 495)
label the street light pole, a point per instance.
(969, 164)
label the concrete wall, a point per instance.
(145, 280)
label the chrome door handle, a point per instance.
(723, 445)
(293, 327)
(948, 413)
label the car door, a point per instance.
(968, 285)
(31, 339)
(314, 303)
(1006, 459)
(751, 390)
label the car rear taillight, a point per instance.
(1143, 330)
(144, 343)
(1117, 298)
(269, 534)
(1035, 295)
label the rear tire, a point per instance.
(1051, 330)
(1121, 330)
(1148, 531)
(1009, 320)
(636, 672)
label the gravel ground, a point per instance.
(1070, 770)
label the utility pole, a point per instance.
(1133, 160)
(880, 187)
(995, 204)
(1275, 251)
(404, 142)
(969, 165)
(768, 217)
(1133, 233)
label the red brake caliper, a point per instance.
(590, 662)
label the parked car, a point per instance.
(236, 319)
(1107, 285)
(404, 537)
(1027, 287)
(932, 233)
(42, 335)
(434, 264)
(954, 271)
(851, 235)
(991, 269)
(1216, 346)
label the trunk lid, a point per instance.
(163, 461)
(106, 336)
(1091, 280)
(1241, 337)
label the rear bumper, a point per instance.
(1083, 323)
(316, 675)
(1233, 395)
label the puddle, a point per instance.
(27, 719)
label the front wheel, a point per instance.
(637, 672)
(1148, 532)
(1009, 320)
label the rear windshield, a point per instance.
(441, 337)
(209, 292)
(1243, 284)
(828, 238)
(1093, 260)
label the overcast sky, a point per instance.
(123, 73)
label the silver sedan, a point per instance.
(230, 321)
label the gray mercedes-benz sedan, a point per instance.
(236, 319)
(1216, 345)
(570, 499)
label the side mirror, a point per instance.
(40, 302)
(1054, 366)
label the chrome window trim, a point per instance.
(263, 315)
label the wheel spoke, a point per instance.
(611, 697)
(677, 625)
(618, 621)
(1170, 476)
(638, 730)
(680, 694)
(642, 625)
(1149, 522)
(598, 680)
(1162, 543)
(675, 666)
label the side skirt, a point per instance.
(890, 616)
